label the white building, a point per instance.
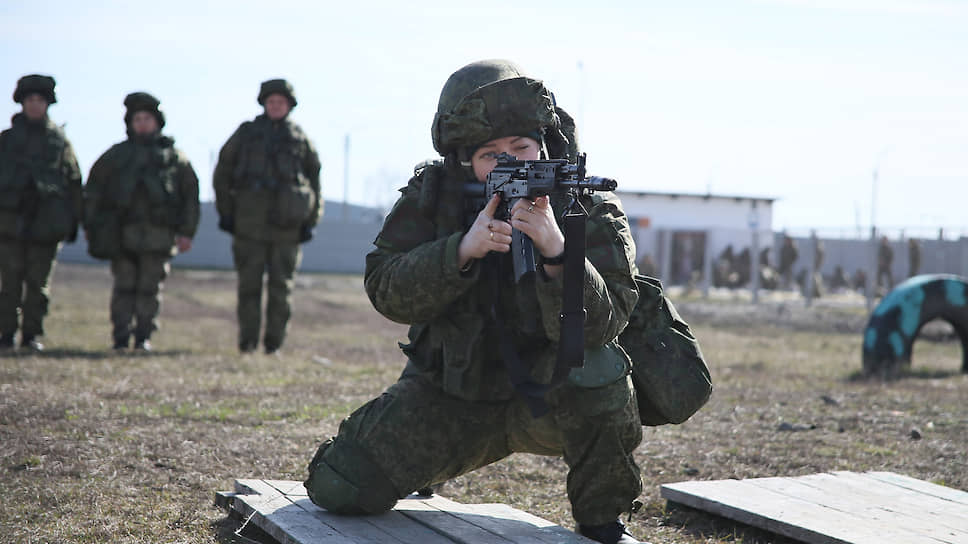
(685, 227)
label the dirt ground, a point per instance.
(99, 446)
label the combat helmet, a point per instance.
(142, 101)
(35, 83)
(277, 86)
(491, 99)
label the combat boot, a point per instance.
(609, 533)
(142, 344)
(30, 342)
(121, 342)
(6, 340)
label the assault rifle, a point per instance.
(514, 180)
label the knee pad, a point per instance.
(344, 480)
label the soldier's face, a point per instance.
(485, 158)
(277, 106)
(144, 123)
(35, 106)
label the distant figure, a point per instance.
(743, 268)
(647, 266)
(40, 206)
(885, 258)
(914, 257)
(860, 280)
(723, 267)
(141, 208)
(268, 198)
(768, 276)
(839, 281)
(788, 256)
(818, 258)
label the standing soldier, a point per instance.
(141, 209)
(885, 258)
(788, 256)
(40, 206)
(267, 196)
(914, 257)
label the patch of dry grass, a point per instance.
(106, 447)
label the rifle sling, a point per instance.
(571, 341)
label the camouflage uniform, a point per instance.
(140, 195)
(914, 257)
(40, 206)
(454, 409)
(788, 255)
(267, 195)
(885, 259)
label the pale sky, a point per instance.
(794, 99)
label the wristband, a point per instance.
(558, 259)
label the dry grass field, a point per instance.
(97, 446)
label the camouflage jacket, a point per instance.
(412, 277)
(267, 180)
(149, 188)
(40, 183)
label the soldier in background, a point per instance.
(885, 258)
(839, 281)
(914, 257)
(788, 256)
(141, 209)
(818, 258)
(268, 197)
(40, 206)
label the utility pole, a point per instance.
(346, 174)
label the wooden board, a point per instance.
(838, 507)
(282, 509)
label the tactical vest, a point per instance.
(271, 161)
(151, 170)
(35, 200)
(23, 172)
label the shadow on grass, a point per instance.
(70, 353)
(227, 531)
(703, 525)
(859, 376)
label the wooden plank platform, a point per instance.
(837, 507)
(282, 509)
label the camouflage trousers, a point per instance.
(25, 265)
(136, 297)
(253, 258)
(415, 435)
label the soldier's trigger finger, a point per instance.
(491, 206)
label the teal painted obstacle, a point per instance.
(897, 320)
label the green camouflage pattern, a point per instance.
(136, 295)
(415, 435)
(149, 188)
(253, 260)
(490, 99)
(25, 271)
(146, 191)
(412, 277)
(40, 205)
(267, 183)
(672, 381)
(264, 171)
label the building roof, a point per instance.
(706, 196)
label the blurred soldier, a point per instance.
(818, 258)
(885, 258)
(768, 278)
(267, 196)
(141, 209)
(788, 256)
(839, 281)
(40, 206)
(914, 257)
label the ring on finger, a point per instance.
(492, 235)
(531, 208)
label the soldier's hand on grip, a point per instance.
(485, 235)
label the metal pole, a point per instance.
(813, 270)
(707, 264)
(346, 173)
